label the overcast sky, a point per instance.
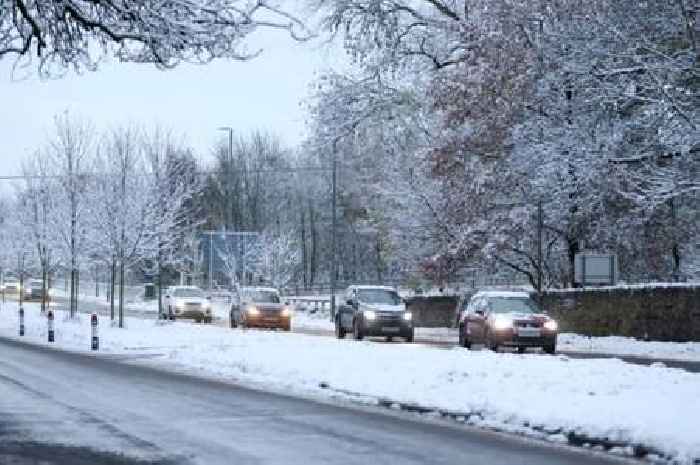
(191, 100)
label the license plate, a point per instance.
(529, 332)
(390, 329)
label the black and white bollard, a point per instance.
(50, 319)
(21, 321)
(95, 337)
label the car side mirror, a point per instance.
(479, 312)
(167, 296)
(286, 303)
(350, 302)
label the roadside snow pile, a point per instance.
(629, 346)
(319, 320)
(634, 407)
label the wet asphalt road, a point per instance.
(60, 408)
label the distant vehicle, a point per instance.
(11, 285)
(187, 302)
(373, 311)
(260, 307)
(34, 290)
(506, 319)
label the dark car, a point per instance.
(506, 319)
(260, 307)
(373, 311)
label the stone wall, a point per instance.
(664, 313)
(432, 312)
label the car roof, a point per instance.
(185, 287)
(503, 294)
(259, 288)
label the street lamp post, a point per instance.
(333, 231)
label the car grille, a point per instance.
(393, 316)
(193, 306)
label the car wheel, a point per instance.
(550, 349)
(521, 350)
(389, 338)
(463, 339)
(357, 330)
(339, 330)
(409, 336)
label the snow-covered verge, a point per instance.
(637, 408)
(629, 346)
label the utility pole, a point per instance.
(334, 263)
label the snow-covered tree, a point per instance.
(78, 34)
(276, 258)
(70, 155)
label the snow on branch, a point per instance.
(77, 34)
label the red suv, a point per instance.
(506, 319)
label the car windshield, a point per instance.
(378, 296)
(270, 297)
(513, 305)
(188, 293)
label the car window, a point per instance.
(512, 305)
(379, 296)
(188, 293)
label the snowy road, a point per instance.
(317, 329)
(70, 409)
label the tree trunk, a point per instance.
(121, 292)
(113, 278)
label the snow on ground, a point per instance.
(629, 346)
(654, 406)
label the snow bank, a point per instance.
(629, 346)
(656, 407)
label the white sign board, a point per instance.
(595, 269)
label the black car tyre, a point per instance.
(521, 350)
(357, 330)
(389, 338)
(339, 330)
(409, 336)
(550, 349)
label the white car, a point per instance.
(187, 302)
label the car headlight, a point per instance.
(370, 314)
(551, 325)
(408, 316)
(253, 311)
(502, 323)
(179, 304)
(286, 312)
